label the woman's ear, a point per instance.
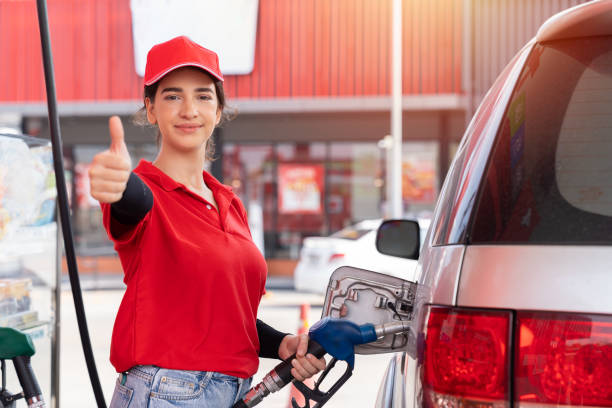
(150, 113)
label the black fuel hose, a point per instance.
(62, 196)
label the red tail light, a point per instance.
(564, 359)
(466, 357)
(336, 257)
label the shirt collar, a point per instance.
(168, 183)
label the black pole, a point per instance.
(58, 164)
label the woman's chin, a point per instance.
(185, 147)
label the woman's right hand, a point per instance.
(110, 169)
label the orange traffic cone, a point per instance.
(303, 328)
(304, 323)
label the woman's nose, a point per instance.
(188, 109)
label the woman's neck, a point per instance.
(185, 169)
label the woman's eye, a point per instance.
(171, 97)
(205, 97)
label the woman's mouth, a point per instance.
(188, 128)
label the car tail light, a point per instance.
(563, 359)
(466, 361)
(336, 257)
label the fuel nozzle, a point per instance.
(27, 379)
(276, 379)
(254, 396)
(336, 337)
(18, 347)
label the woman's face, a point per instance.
(185, 108)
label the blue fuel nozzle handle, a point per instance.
(339, 337)
(333, 336)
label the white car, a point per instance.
(351, 246)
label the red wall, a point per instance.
(304, 48)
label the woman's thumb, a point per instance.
(117, 137)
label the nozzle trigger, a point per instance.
(315, 394)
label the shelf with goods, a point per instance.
(29, 253)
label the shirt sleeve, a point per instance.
(124, 219)
(136, 202)
(269, 340)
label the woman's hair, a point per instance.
(227, 114)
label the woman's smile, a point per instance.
(188, 127)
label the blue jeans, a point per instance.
(155, 387)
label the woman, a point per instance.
(186, 332)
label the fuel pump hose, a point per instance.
(62, 196)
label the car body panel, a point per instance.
(438, 279)
(496, 276)
(398, 386)
(587, 20)
(384, 398)
(400, 378)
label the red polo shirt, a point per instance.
(194, 281)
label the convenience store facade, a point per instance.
(306, 152)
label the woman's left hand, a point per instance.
(304, 365)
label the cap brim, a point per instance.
(172, 68)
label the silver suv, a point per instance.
(514, 298)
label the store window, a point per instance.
(419, 177)
(249, 170)
(290, 190)
(356, 184)
(283, 189)
(300, 200)
(295, 190)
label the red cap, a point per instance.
(179, 52)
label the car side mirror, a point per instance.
(399, 238)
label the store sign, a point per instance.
(419, 177)
(300, 188)
(227, 27)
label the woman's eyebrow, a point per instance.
(172, 90)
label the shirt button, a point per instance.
(209, 206)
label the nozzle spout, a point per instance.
(391, 328)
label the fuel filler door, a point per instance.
(364, 296)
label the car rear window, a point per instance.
(549, 179)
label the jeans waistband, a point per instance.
(148, 372)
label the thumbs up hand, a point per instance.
(110, 169)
